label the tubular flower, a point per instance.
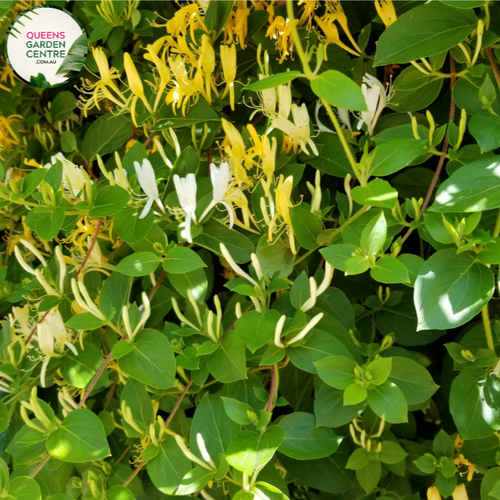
(280, 31)
(52, 336)
(8, 137)
(135, 84)
(104, 88)
(234, 147)
(283, 204)
(460, 493)
(183, 88)
(74, 178)
(186, 192)
(207, 64)
(186, 19)
(221, 179)
(331, 35)
(433, 493)
(386, 11)
(147, 180)
(308, 12)
(298, 132)
(228, 59)
(237, 25)
(235, 198)
(376, 98)
(7, 75)
(265, 149)
(337, 14)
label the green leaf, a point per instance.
(200, 112)
(27, 444)
(168, 468)
(337, 255)
(68, 141)
(47, 223)
(413, 379)
(336, 371)
(273, 81)
(195, 480)
(306, 227)
(181, 260)
(304, 441)
(377, 193)
(389, 403)
(137, 399)
(152, 360)
(392, 156)
(106, 135)
(451, 289)
(391, 453)
(485, 128)
(339, 90)
(257, 329)
(388, 269)
(358, 459)
(374, 235)
(109, 201)
(4, 417)
(217, 15)
(424, 31)
(211, 421)
(379, 369)
(369, 476)
(237, 411)
(330, 410)
(24, 488)
(358, 264)
(443, 445)
(129, 227)
(63, 105)
(490, 479)
(84, 321)
(332, 159)
(138, 264)
(114, 295)
(354, 394)
(228, 363)
(249, 451)
(76, 56)
(80, 438)
(473, 188)
(80, 370)
(471, 413)
(116, 492)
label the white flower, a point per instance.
(74, 180)
(51, 334)
(221, 179)
(376, 99)
(186, 192)
(147, 180)
(298, 131)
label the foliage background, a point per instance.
(341, 342)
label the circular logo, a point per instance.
(46, 46)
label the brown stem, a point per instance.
(443, 152)
(149, 138)
(271, 390)
(89, 251)
(40, 465)
(94, 380)
(7, 248)
(158, 283)
(167, 422)
(494, 66)
(110, 397)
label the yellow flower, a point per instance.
(8, 137)
(281, 32)
(331, 34)
(386, 11)
(7, 75)
(308, 12)
(135, 85)
(433, 493)
(337, 14)
(228, 59)
(234, 147)
(104, 88)
(235, 198)
(184, 88)
(187, 18)
(460, 493)
(471, 467)
(236, 28)
(283, 204)
(207, 64)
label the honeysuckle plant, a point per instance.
(251, 251)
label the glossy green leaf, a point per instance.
(109, 201)
(182, 260)
(389, 403)
(377, 193)
(339, 90)
(272, 81)
(138, 264)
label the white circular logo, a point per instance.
(46, 46)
